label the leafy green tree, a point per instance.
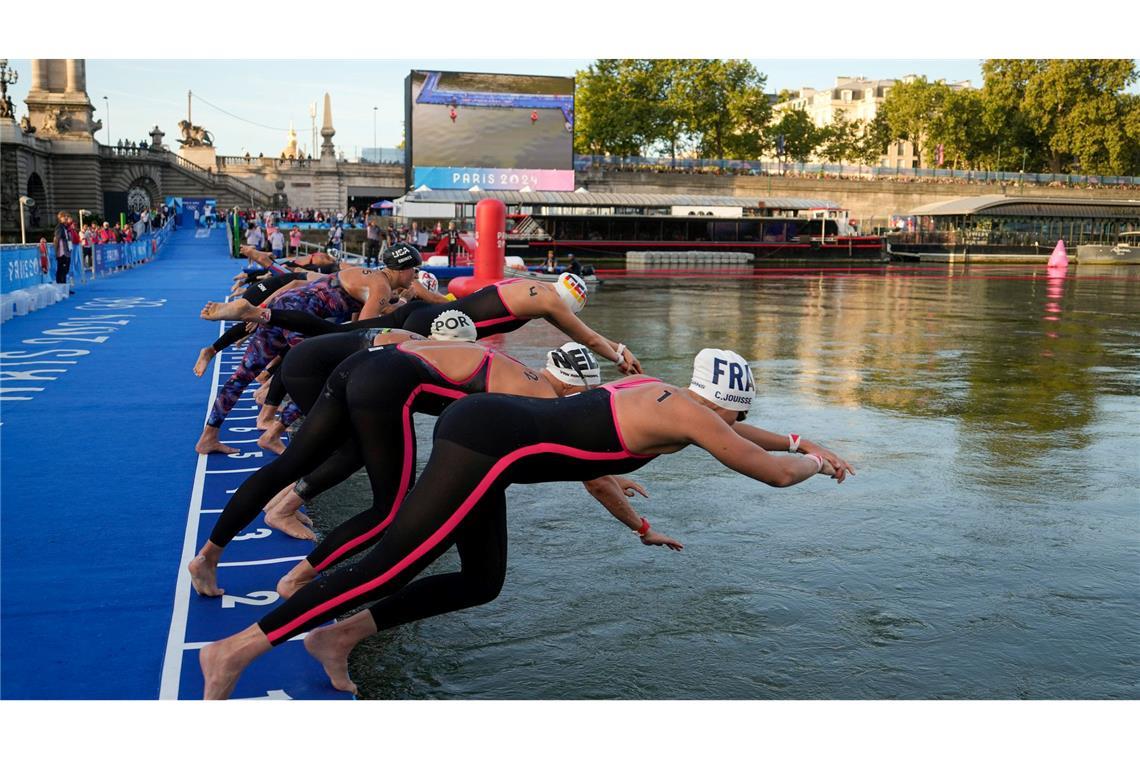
(723, 106)
(1008, 135)
(801, 136)
(1075, 107)
(613, 114)
(839, 140)
(874, 141)
(958, 126)
(911, 108)
(1052, 112)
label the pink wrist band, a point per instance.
(817, 459)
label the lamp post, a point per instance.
(107, 103)
(374, 156)
(82, 264)
(313, 119)
(7, 77)
(25, 202)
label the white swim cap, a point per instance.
(724, 378)
(453, 325)
(575, 364)
(428, 280)
(572, 290)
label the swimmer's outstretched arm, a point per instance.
(612, 492)
(567, 321)
(770, 441)
(682, 420)
(418, 291)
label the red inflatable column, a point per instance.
(490, 248)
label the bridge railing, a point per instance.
(244, 190)
(849, 171)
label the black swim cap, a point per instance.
(402, 256)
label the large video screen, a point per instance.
(493, 131)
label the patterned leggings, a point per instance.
(320, 298)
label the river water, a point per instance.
(989, 547)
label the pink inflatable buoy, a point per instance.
(1059, 259)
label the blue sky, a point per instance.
(273, 93)
(189, 47)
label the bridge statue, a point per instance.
(194, 135)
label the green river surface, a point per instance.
(989, 547)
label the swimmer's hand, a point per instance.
(630, 487)
(834, 466)
(653, 538)
(629, 364)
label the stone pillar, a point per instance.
(72, 76)
(327, 132)
(76, 75)
(39, 74)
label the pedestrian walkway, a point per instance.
(99, 413)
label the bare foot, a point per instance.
(280, 495)
(290, 526)
(329, 647)
(296, 579)
(204, 358)
(260, 395)
(270, 440)
(223, 661)
(220, 676)
(204, 576)
(240, 310)
(208, 443)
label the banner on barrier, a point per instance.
(21, 268)
(21, 264)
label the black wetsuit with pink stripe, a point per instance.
(482, 444)
(371, 397)
(485, 307)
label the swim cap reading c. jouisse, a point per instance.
(428, 280)
(724, 378)
(572, 290)
(402, 256)
(453, 325)
(575, 364)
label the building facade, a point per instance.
(859, 100)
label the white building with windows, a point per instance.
(858, 99)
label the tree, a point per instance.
(722, 104)
(839, 140)
(801, 137)
(958, 126)
(1056, 111)
(1075, 107)
(911, 108)
(874, 141)
(613, 113)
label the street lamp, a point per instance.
(374, 156)
(82, 263)
(107, 103)
(25, 202)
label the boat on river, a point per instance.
(1125, 251)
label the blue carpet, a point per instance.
(98, 474)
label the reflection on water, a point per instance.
(988, 548)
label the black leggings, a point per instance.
(370, 405)
(460, 501)
(309, 324)
(304, 372)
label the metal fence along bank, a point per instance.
(27, 268)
